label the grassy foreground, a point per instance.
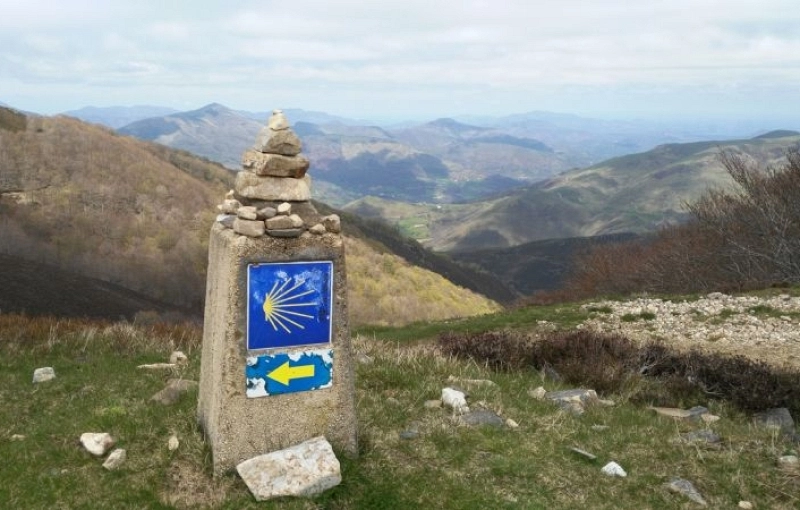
(98, 388)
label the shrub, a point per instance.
(610, 363)
(499, 350)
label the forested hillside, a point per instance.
(85, 199)
(81, 199)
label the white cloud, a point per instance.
(362, 56)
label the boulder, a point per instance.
(306, 469)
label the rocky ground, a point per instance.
(762, 328)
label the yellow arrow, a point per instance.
(284, 373)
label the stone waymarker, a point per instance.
(276, 366)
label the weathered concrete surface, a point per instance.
(239, 428)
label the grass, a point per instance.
(99, 388)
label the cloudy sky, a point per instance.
(382, 59)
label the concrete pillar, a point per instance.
(276, 363)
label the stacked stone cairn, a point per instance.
(272, 192)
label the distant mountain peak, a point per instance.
(454, 126)
(215, 108)
(778, 133)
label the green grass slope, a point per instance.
(439, 462)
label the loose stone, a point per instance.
(480, 418)
(266, 212)
(281, 222)
(173, 391)
(286, 232)
(613, 469)
(433, 404)
(285, 208)
(226, 220)
(332, 223)
(685, 487)
(157, 366)
(173, 443)
(317, 229)
(97, 443)
(455, 400)
(250, 228)
(178, 357)
(247, 213)
(43, 374)
(538, 393)
(306, 469)
(229, 206)
(584, 453)
(277, 121)
(115, 459)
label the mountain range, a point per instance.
(440, 161)
(634, 193)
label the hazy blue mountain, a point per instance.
(118, 116)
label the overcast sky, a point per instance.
(415, 59)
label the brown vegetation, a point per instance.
(84, 199)
(611, 363)
(744, 238)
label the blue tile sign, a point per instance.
(289, 304)
(273, 374)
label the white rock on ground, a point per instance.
(97, 443)
(614, 469)
(178, 358)
(455, 399)
(115, 459)
(173, 443)
(306, 469)
(43, 374)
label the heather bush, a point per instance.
(650, 374)
(741, 238)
